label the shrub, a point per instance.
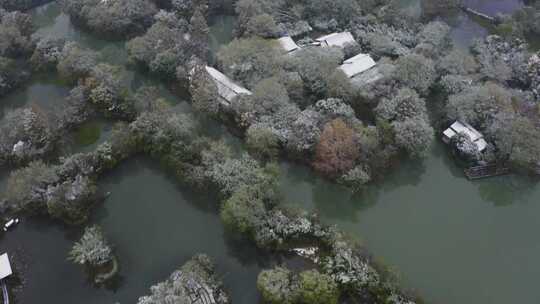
(27, 134)
(317, 288)
(204, 93)
(413, 135)
(76, 62)
(416, 72)
(316, 67)
(263, 26)
(26, 187)
(277, 286)
(71, 200)
(47, 53)
(243, 211)
(406, 104)
(337, 149)
(92, 249)
(164, 48)
(15, 34)
(118, 18)
(356, 178)
(262, 142)
(251, 60)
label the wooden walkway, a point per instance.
(5, 292)
(479, 14)
(479, 172)
(199, 294)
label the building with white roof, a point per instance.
(228, 90)
(5, 266)
(357, 64)
(336, 39)
(459, 127)
(361, 70)
(288, 44)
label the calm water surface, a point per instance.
(466, 29)
(44, 91)
(154, 226)
(453, 240)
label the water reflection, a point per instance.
(221, 32)
(507, 190)
(494, 7)
(465, 30)
(52, 22)
(448, 236)
(155, 227)
(46, 91)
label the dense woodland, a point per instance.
(302, 108)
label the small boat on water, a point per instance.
(10, 223)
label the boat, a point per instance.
(10, 224)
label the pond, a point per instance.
(453, 240)
(221, 32)
(465, 28)
(45, 91)
(154, 226)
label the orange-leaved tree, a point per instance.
(337, 149)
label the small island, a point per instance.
(93, 252)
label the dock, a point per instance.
(478, 172)
(479, 14)
(199, 294)
(5, 294)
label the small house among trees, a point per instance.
(464, 128)
(288, 44)
(357, 64)
(361, 69)
(227, 89)
(336, 39)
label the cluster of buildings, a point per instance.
(360, 69)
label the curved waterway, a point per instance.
(154, 226)
(453, 240)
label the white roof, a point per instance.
(449, 133)
(337, 39)
(288, 44)
(357, 64)
(5, 266)
(481, 144)
(227, 89)
(459, 127)
(367, 77)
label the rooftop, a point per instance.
(288, 44)
(227, 88)
(367, 77)
(336, 39)
(5, 266)
(460, 127)
(357, 64)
